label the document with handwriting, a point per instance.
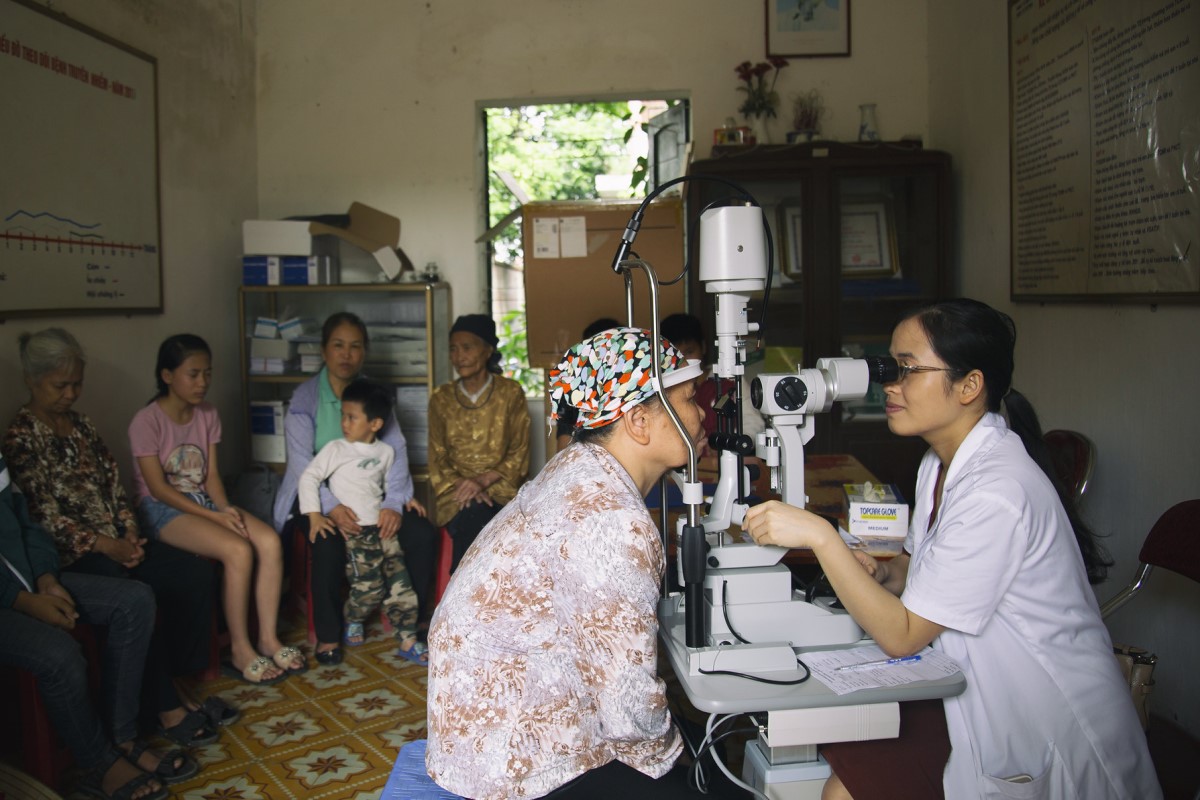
(934, 664)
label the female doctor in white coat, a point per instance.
(992, 575)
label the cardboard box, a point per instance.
(569, 249)
(276, 237)
(368, 238)
(877, 517)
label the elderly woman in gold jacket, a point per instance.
(478, 435)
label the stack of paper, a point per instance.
(855, 668)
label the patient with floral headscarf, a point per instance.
(542, 673)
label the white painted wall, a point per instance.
(205, 53)
(377, 100)
(1127, 376)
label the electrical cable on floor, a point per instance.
(678, 718)
(697, 778)
(713, 724)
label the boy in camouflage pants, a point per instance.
(356, 467)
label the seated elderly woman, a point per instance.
(74, 492)
(478, 435)
(543, 649)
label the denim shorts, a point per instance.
(154, 515)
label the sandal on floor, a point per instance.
(417, 654)
(219, 712)
(329, 658)
(92, 787)
(355, 635)
(194, 730)
(166, 772)
(254, 671)
(284, 658)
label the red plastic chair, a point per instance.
(43, 755)
(442, 566)
(1173, 543)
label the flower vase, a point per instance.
(868, 130)
(760, 126)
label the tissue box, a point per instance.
(886, 518)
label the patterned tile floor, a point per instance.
(329, 734)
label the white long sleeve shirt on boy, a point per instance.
(357, 474)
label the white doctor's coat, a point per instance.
(1000, 569)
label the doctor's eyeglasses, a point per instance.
(904, 370)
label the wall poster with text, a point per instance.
(1105, 150)
(79, 198)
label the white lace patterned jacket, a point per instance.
(543, 649)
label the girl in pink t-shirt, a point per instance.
(182, 502)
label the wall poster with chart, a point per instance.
(1104, 142)
(79, 199)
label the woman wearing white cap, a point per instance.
(542, 651)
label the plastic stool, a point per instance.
(410, 781)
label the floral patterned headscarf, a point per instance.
(612, 372)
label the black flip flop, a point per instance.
(194, 730)
(166, 771)
(219, 712)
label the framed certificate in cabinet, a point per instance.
(791, 238)
(868, 240)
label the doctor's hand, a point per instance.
(779, 524)
(874, 568)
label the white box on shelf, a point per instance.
(266, 366)
(298, 328)
(272, 348)
(266, 328)
(276, 237)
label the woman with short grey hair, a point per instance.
(74, 491)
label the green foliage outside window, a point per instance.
(514, 353)
(555, 152)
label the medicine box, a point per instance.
(882, 514)
(266, 328)
(267, 441)
(260, 270)
(306, 270)
(272, 348)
